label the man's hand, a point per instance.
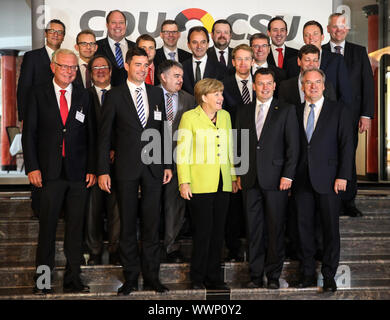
(340, 185)
(285, 184)
(185, 191)
(167, 176)
(239, 183)
(364, 124)
(90, 179)
(104, 182)
(35, 178)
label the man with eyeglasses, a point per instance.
(362, 84)
(323, 171)
(115, 45)
(260, 44)
(86, 47)
(35, 70)
(101, 204)
(221, 34)
(277, 31)
(170, 35)
(59, 151)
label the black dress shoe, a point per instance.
(127, 288)
(329, 285)
(216, 286)
(234, 258)
(94, 259)
(308, 281)
(197, 286)
(114, 259)
(42, 291)
(75, 286)
(175, 257)
(352, 211)
(155, 286)
(255, 284)
(273, 284)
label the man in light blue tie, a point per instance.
(323, 171)
(133, 116)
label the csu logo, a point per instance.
(258, 22)
(194, 14)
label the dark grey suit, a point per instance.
(174, 204)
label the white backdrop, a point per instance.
(251, 16)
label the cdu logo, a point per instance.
(194, 14)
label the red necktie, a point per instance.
(280, 57)
(64, 114)
(148, 79)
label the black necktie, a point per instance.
(222, 58)
(197, 71)
(103, 95)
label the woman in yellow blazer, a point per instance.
(206, 177)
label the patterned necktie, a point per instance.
(87, 76)
(169, 108)
(280, 57)
(338, 49)
(245, 92)
(172, 55)
(197, 71)
(103, 95)
(64, 115)
(140, 107)
(260, 121)
(222, 58)
(118, 55)
(310, 122)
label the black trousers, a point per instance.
(99, 204)
(149, 258)
(234, 224)
(174, 214)
(208, 213)
(54, 195)
(266, 220)
(327, 206)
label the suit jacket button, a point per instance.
(217, 136)
(218, 155)
(258, 148)
(64, 130)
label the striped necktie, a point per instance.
(140, 107)
(118, 55)
(246, 98)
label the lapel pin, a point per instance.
(276, 107)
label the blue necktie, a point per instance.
(310, 123)
(172, 55)
(103, 95)
(140, 107)
(118, 55)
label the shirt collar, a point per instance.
(57, 88)
(106, 88)
(112, 41)
(165, 92)
(133, 86)
(238, 78)
(267, 103)
(167, 51)
(332, 45)
(204, 59)
(317, 104)
(49, 51)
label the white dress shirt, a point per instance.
(332, 46)
(256, 66)
(301, 93)
(317, 111)
(225, 54)
(49, 51)
(123, 45)
(202, 66)
(99, 92)
(248, 84)
(68, 94)
(132, 88)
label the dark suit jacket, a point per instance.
(213, 70)
(43, 134)
(289, 91)
(35, 70)
(361, 79)
(232, 97)
(160, 56)
(121, 120)
(329, 155)
(275, 154)
(119, 75)
(212, 55)
(335, 70)
(289, 53)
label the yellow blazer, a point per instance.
(204, 150)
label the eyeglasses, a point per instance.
(309, 83)
(246, 59)
(59, 32)
(86, 44)
(64, 67)
(170, 32)
(262, 46)
(100, 68)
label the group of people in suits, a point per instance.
(91, 118)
